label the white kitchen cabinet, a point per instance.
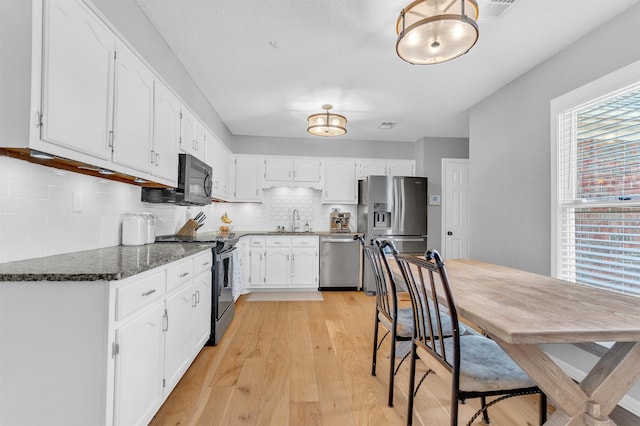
(307, 170)
(109, 344)
(377, 167)
(278, 267)
(401, 168)
(218, 158)
(257, 267)
(257, 262)
(178, 346)
(247, 178)
(304, 267)
(138, 367)
(166, 133)
(192, 135)
(133, 112)
(77, 79)
(278, 169)
(292, 171)
(371, 167)
(283, 261)
(201, 314)
(340, 182)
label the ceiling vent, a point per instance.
(387, 125)
(495, 9)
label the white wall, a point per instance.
(510, 139)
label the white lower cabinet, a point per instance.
(304, 267)
(153, 348)
(278, 267)
(138, 367)
(113, 350)
(278, 262)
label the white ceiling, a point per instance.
(265, 65)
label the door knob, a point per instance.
(449, 233)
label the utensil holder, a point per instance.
(189, 228)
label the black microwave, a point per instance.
(194, 185)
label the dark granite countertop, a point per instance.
(105, 264)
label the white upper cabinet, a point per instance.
(166, 133)
(247, 178)
(340, 182)
(371, 167)
(218, 157)
(377, 167)
(193, 137)
(133, 112)
(278, 169)
(401, 167)
(292, 171)
(307, 170)
(77, 78)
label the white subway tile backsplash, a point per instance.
(36, 217)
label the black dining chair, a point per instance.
(479, 367)
(397, 321)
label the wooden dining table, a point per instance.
(520, 310)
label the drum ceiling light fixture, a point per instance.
(326, 123)
(434, 31)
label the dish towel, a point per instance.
(236, 276)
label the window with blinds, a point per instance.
(599, 193)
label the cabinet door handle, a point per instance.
(293, 265)
(184, 274)
(194, 300)
(150, 292)
(157, 157)
(197, 296)
(153, 156)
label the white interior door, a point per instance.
(456, 228)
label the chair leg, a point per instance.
(485, 413)
(412, 382)
(543, 408)
(375, 345)
(454, 406)
(392, 367)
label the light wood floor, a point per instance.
(309, 363)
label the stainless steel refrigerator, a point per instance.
(393, 208)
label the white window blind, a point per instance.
(599, 193)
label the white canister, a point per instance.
(134, 230)
(151, 227)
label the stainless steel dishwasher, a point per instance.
(340, 262)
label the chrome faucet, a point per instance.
(294, 223)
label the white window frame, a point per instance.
(617, 81)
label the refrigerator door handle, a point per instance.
(397, 209)
(410, 239)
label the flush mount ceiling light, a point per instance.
(326, 123)
(434, 31)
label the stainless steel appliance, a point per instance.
(339, 221)
(194, 185)
(340, 262)
(393, 208)
(222, 303)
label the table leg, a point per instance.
(591, 401)
(615, 373)
(563, 392)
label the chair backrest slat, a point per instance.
(433, 305)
